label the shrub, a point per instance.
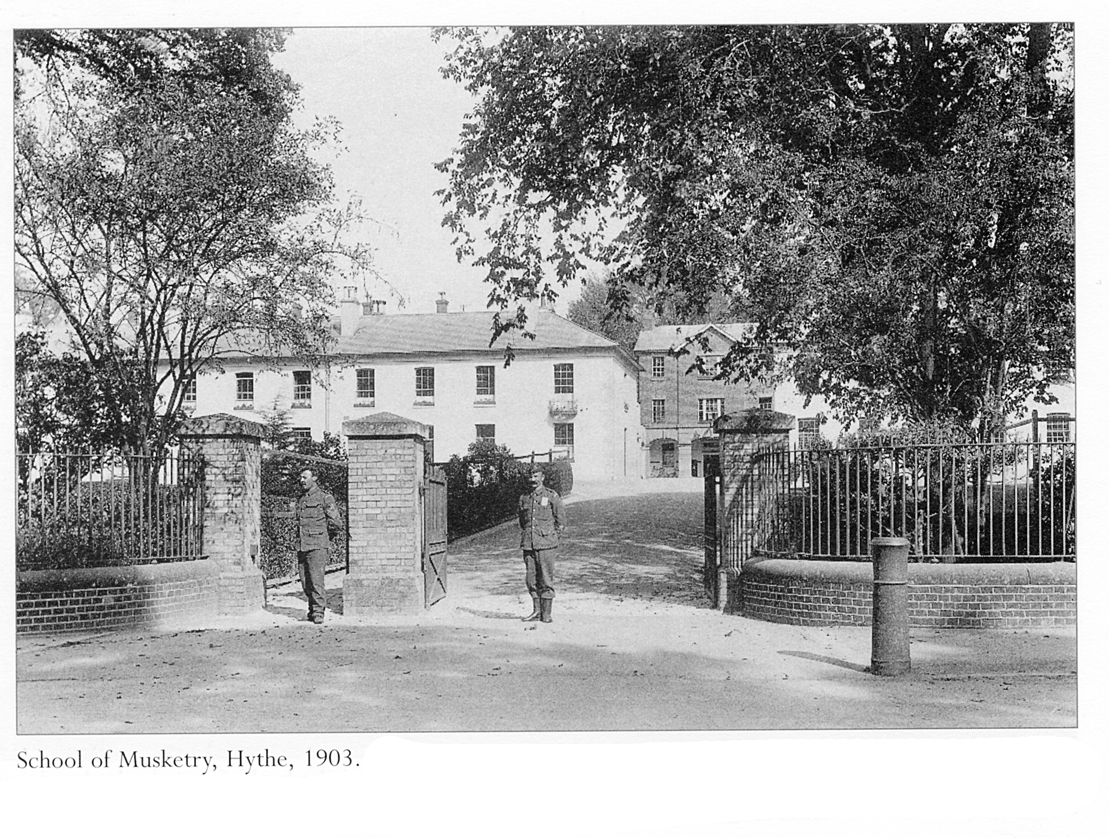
(483, 487)
(280, 488)
(106, 524)
(954, 498)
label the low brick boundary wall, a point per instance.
(814, 593)
(116, 597)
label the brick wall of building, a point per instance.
(940, 596)
(94, 599)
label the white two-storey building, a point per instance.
(568, 389)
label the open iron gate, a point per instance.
(434, 557)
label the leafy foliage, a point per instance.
(166, 205)
(893, 205)
(280, 489)
(65, 522)
(954, 498)
(484, 486)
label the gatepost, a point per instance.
(385, 473)
(742, 435)
(232, 518)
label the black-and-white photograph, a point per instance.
(540, 379)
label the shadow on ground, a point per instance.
(610, 548)
(491, 677)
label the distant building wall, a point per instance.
(602, 408)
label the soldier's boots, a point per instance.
(536, 613)
(545, 610)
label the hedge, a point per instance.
(484, 487)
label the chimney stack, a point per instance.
(349, 311)
(441, 304)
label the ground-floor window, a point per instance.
(709, 409)
(808, 431)
(564, 437)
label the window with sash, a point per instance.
(1058, 427)
(486, 383)
(425, 383)
(365, 386)
(244, 387)
(709, 409)
(808, 431)
(564, 378)
(302, 386)
(564, 437)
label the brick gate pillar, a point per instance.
(741, 436)
(385, 476)
(232, 521)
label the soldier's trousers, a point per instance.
(540, 575)
(311, 564)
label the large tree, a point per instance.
(167, 205)
(892, 204)
(592, 310)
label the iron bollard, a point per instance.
(890, 624)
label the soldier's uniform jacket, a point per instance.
(542, 519)
(316, 511)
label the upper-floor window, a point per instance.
(711, 364)
(486, 433)
(1058, 427)
(808, 431)
(658, 410)
(766, 402)
(564, 378)
(244, 386)
(486, 382)
(658, 366)
(190, 391)
(429, 447)
(709, 409)
(365, 385)
(302, 386)
(425, 382)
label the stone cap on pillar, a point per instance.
(384, 426)
(754, 421)
(221, 425)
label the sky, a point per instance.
(399, 117)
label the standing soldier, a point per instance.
(542, 520)
(317, 514)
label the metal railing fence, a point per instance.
(970, 502)
(95, 509)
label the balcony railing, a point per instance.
(563, 407)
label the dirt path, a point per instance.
(634, 646)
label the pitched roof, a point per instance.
(665, 338)
(469, 331)
(461, 332)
